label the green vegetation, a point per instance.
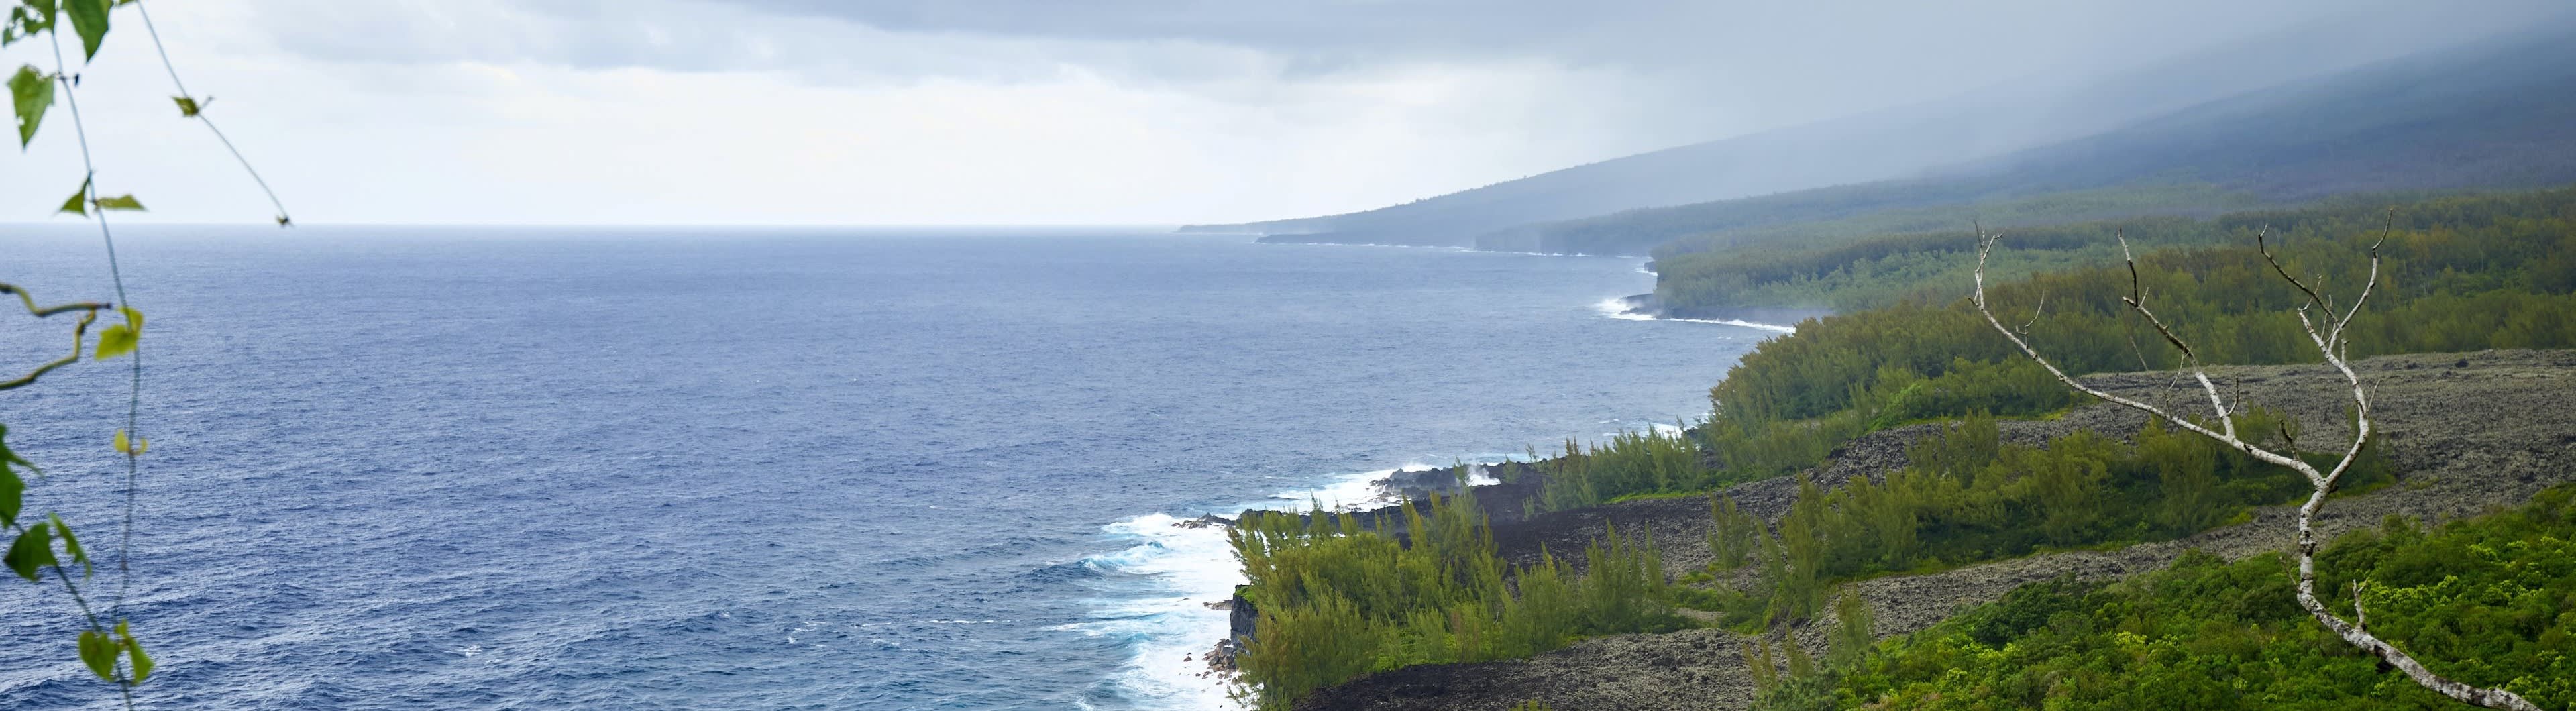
(1631, 463)
(1924, 267)
(1845, 213)
(2489, 601)
(1338, 599)
(1928, 262)
(42, 543)
(1968, 497)
(1809, 686)
(2461, 274)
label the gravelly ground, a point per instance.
(2467, 432)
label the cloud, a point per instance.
(982, 111)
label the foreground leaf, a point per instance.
(89, 18)
(188, 106)
(78, 203)
(13, 491)
(133, 446)
(33, 550)
(98, 652)
(120, 339)
(9, 460)
(30, 92)
(120, 202)
(71, 543)
(134, 649)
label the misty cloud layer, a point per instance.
(984, 111)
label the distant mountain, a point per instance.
(2496, 115)
(1878, 146)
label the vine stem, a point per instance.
(134, 388)
(201, 117)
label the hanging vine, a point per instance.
(44, 546)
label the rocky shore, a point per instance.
(1649, 306)
(2468, 433)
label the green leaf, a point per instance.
(98, 652)
(120, 339)
(30, 92)
(116, 341)
(27, 20)
(188, 107)
(142, 662)
(13, 492)
(89, 18)
(8, 458)
(78, 203)
(120, 202)
(131, 446)
(33, 550)
(71, 543)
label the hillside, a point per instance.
(2451, 465)
(1881, 145)
(2500, 115)
(1846, 401)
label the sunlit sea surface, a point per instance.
(602, 468)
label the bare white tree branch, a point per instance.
(2332, 345)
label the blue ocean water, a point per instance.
(667, 468)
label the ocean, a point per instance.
(398, 468)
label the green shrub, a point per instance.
(1338, 599)
(2489, 601)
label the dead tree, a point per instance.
(2330, 342)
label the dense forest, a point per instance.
(1929, 267)
(1338, 598)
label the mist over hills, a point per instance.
(1873, 146)
(2495, 115)
(2183, 137)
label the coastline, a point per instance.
(1645, 307)
(1188, 561)
(1192, 563)
(2471, 432)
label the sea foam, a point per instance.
(1618, 308)
(1184, 566)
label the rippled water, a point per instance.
(550, 468)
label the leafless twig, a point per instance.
(2332, 345)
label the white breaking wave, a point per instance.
(1192, 565)
(1195, 565)
(1618, 308)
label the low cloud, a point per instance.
(983, 111)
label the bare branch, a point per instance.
(2386, 228)
(2034, 313)
(1985, 245)
(2260, 245)
(2331, 345)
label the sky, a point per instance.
(993, 112)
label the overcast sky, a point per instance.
(1042, 111)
